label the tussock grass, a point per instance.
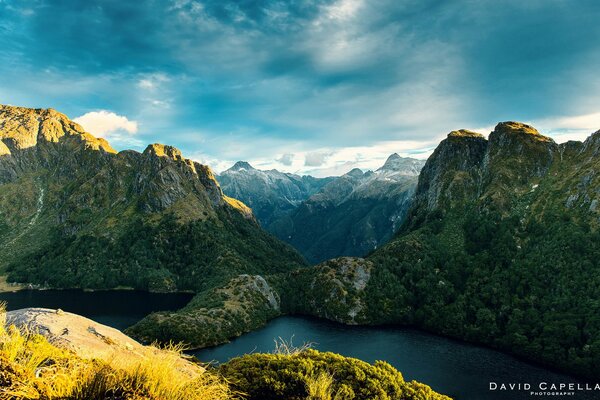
(32, 368)
(287, 347)
(320, 387)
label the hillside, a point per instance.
(501, 247)
(353, 214)
(270, 194)
(76, 213)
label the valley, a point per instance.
(493, 241)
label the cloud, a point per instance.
(286, 159)
(565, 128)
(340, 77)
(102, 123)
(315, 159)
(115, 128)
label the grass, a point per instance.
(320, 387)
(32, 368)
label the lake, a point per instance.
(451, 367)
(460, 370)
(117, 308)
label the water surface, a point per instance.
(451, 367)
(460, 370)
(117, 308)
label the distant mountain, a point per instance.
(76, 213)
(353, 214)
(270, 194)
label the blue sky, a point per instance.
(303, 86)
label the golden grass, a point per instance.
(32, 368)
(320, 387)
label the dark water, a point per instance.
(454, 368)
(117, 308)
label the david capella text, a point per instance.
(545, 388)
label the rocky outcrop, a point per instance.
(466, 166)
(86, 338)
(452, 172)
(334, 290)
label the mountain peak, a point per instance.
(241, 165)
(23, 128)
(465, 133)
(355, 173)
(519, 128)
(403, 165)
(393, 158)
(163, 150)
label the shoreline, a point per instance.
(508, 352)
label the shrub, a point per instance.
(310, 374)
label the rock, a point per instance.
(84, 337)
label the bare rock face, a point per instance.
(86, 338)
(452, 171)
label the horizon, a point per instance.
(318, 89)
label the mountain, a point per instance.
(353, 214)
(501, 247)
(270, 194)
(76, 213)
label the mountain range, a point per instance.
(500, 244)
(331, 217)
(501, 247)
(270, 194)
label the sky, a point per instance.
(311, 86)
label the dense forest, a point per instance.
(164, 255)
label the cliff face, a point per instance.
(65, 193)
(452, 172)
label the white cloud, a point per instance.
(152, 81)
(334, 161)
(343, 9)
(117, 129)
(103, 123)
(315, 159)
(286, 159)
(565, 128)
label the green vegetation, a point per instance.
(501, 248)
(213, 316)
(531, 290)
(165, 255)
(311, 375)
